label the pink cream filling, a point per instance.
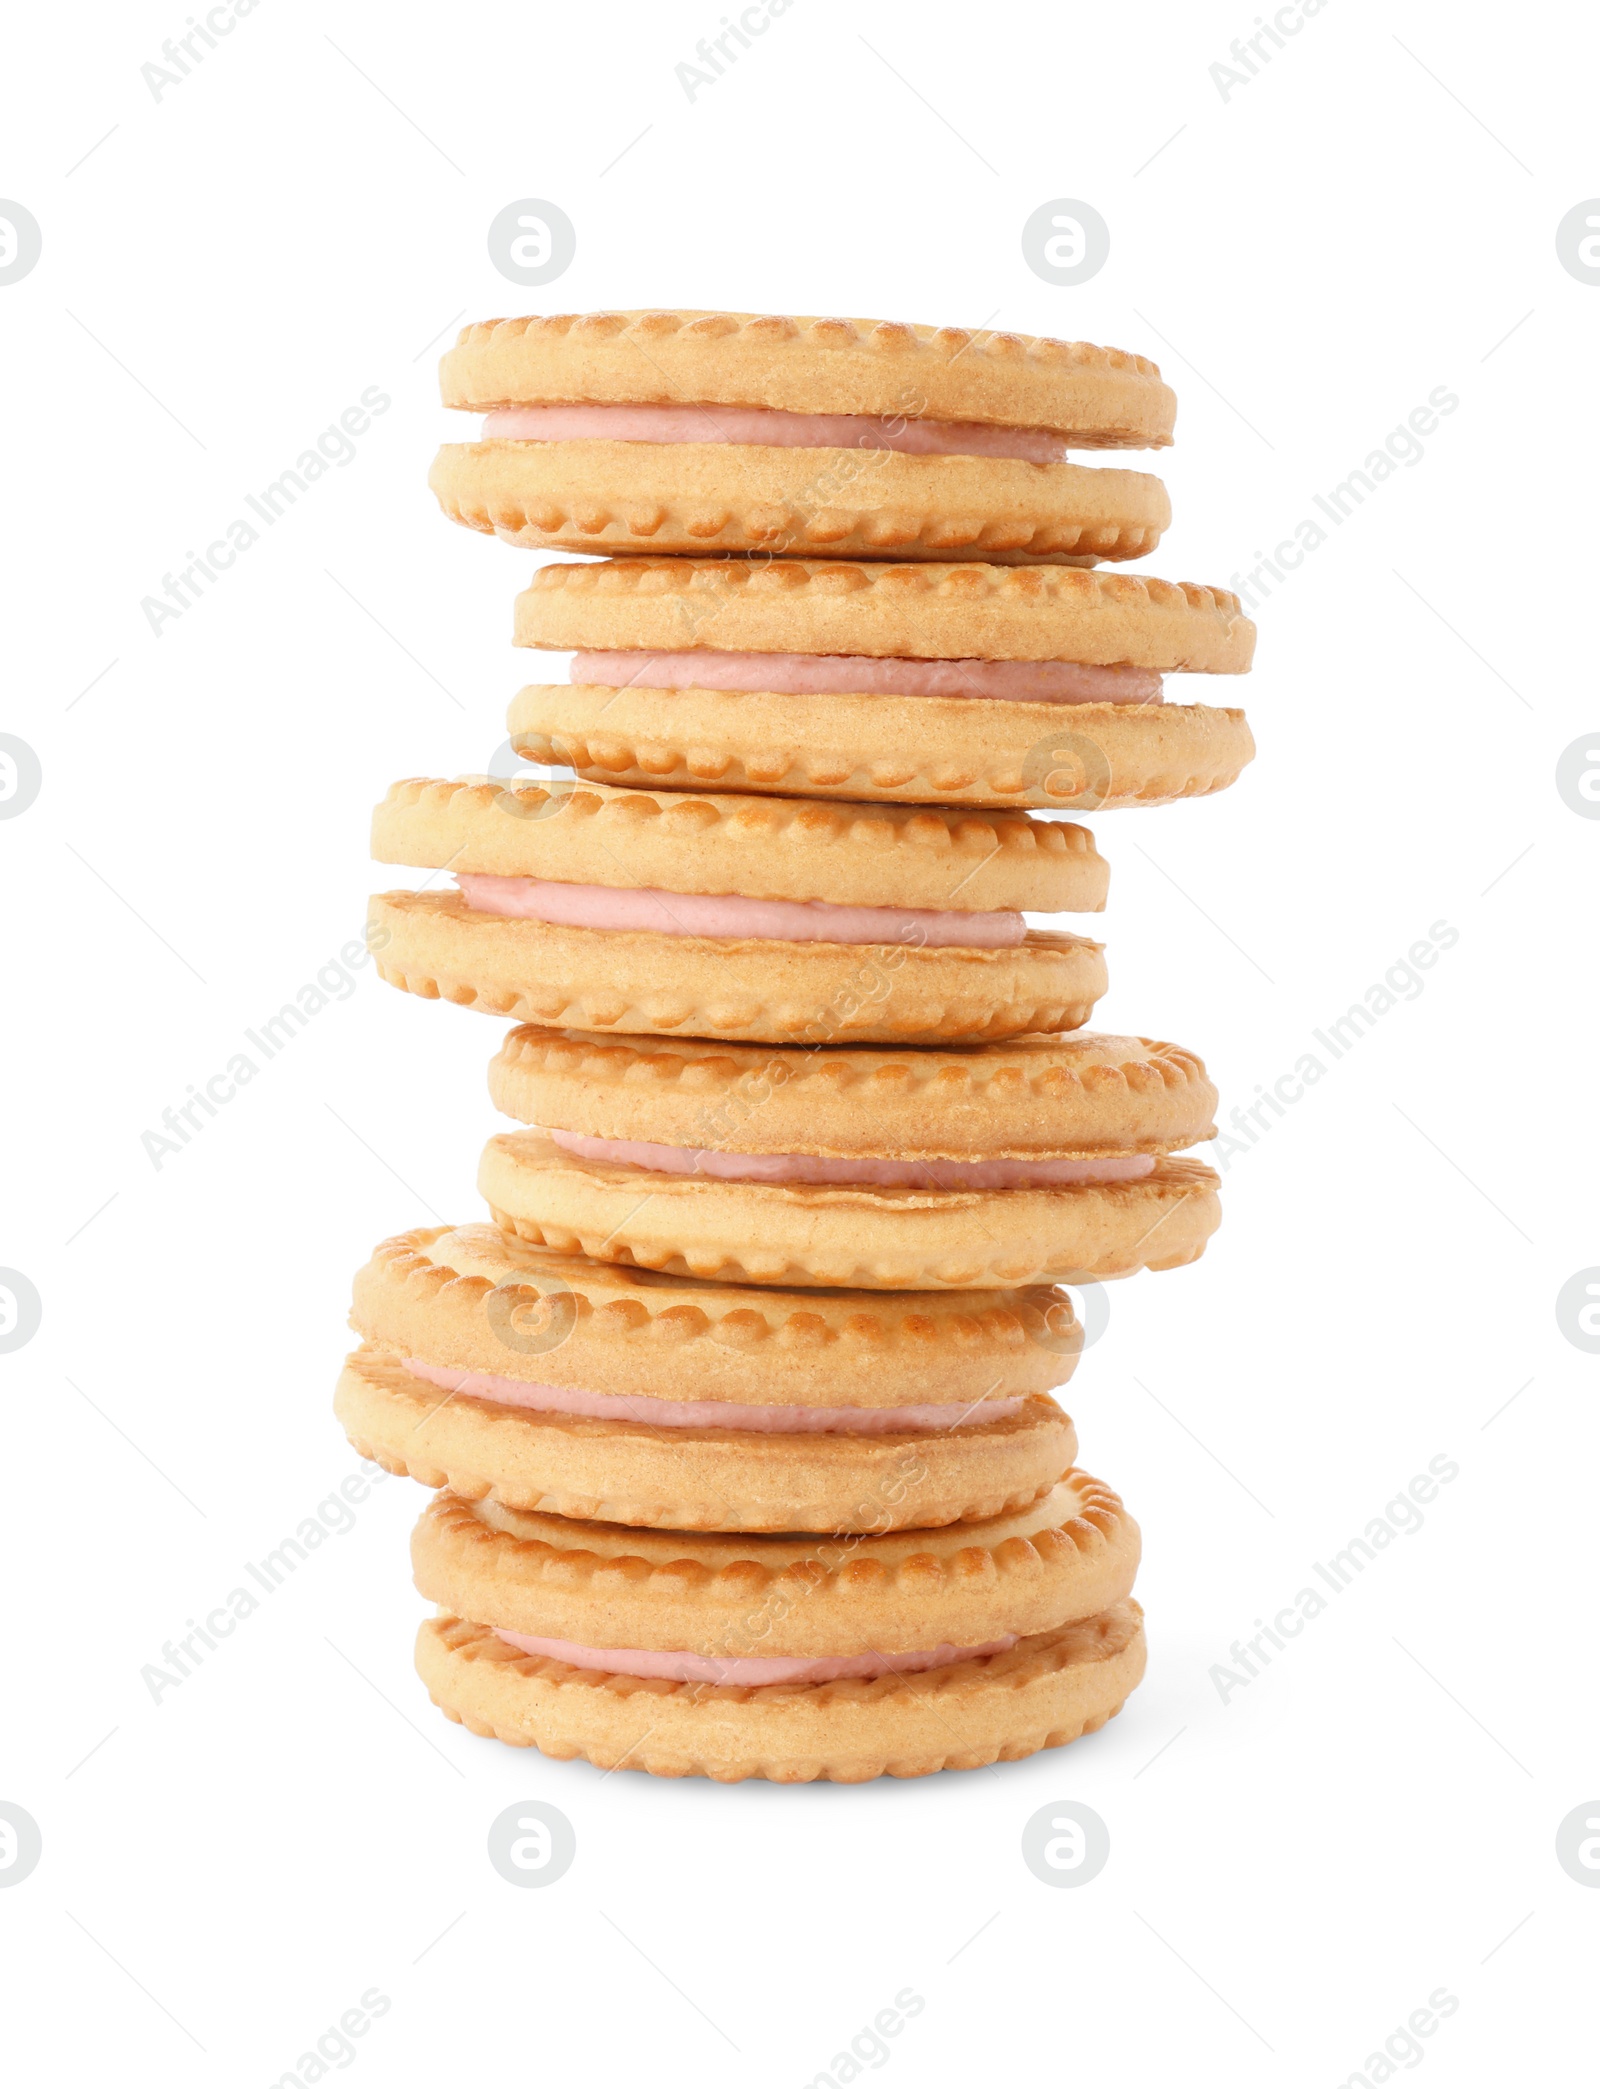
(847, 674)
(752, 1670)
(711, 1414)
(1000, 1174)
(727, 915)
(772, 428)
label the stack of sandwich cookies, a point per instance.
(565, 1401)
(730, 432)
(741, 1407)
(966, 1598)
(954, 685)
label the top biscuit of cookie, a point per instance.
(716, 843)
(1070, 1553)
(1086, 1094)
(1093, 398)
(956, 611)
(472, 1298)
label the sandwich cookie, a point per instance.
(791, 1658)
(739, 917)
(591, 1390)
(954, 684)
(724, 431)
(1048, 1158)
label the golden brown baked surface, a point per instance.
(913, 750)
(644, 983)
(1100, 398)
(758, 847)
(1070, 1554)
(1085, 1093)
(963, 610)
(706, 1478)
(609, 496)
(474, 1298)
(1047, 1691)
(871, 1239)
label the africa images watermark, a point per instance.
(334, 1516)
(184, 53)
(1252, 54)
(1401, 2048)
(1402, 446)
(867, 2048)
(718, 53)
(1400, 1517)
(335, 446)
(1403, 981)
(333, 2048)
(334, 981)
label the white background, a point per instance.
(1293, 1871)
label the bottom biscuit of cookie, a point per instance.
(1046, 1690)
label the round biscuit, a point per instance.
(704, 1478)
(914, 750)
(1086, 1094)
(867, 1239)
(738, 498)
(1097, 398)
(1046, 1692)
(642, 982)
(960, 611)
(760, 848)
(473, 1298)
(730, 1595)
